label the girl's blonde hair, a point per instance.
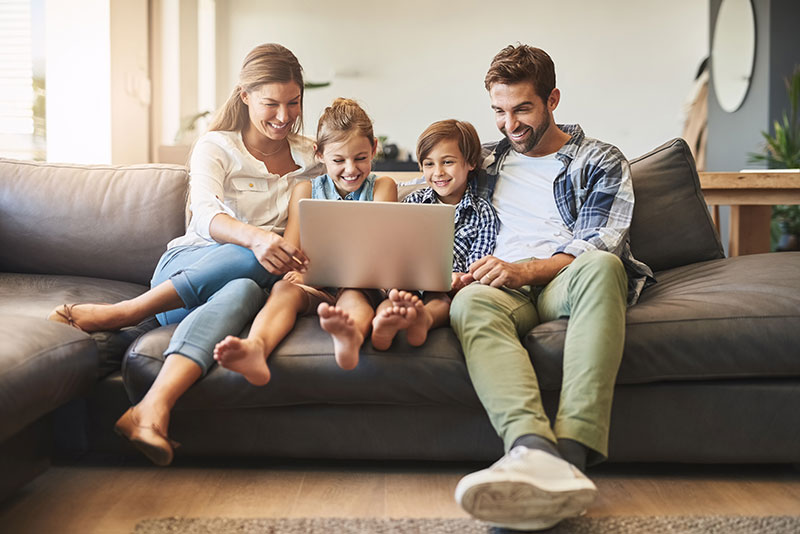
(343, 118)
(461, 132)
(266, 63)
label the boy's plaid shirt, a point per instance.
(475, 226)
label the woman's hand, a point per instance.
(276, 254)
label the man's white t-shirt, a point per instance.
(530, 225)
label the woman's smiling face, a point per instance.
(273, 108)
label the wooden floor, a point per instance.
(112, 496)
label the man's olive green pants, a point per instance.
(489, 322)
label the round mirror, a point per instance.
(733, 52)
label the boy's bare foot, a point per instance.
(420, 324)
(87, 317)
(387, 323)
(399, 316)
(244, 356)
(347, 339)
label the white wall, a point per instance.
(624, 67)
(78, 74)
(130, 82)
(98, 89)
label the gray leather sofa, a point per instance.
(710, 373)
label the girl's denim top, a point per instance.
(322, 188)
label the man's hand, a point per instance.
(277, 255)
(495, 272)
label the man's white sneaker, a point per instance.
(526, 489)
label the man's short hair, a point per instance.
(523, 63)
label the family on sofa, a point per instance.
(541, 233)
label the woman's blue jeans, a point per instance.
(222, 288)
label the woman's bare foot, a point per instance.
(244, 356)
(88, 317)
(399, 316)
(347, 339)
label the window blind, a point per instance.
(16, 79)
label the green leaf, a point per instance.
(782, 147)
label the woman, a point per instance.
(212, 279)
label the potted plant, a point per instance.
(782, 151)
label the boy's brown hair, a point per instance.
(523, 63)
(460, 131)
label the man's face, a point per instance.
(520, 114)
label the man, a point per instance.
(565, 203)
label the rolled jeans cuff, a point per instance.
(197, 354)
(185, 290)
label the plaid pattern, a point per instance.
(475, 226)
(594, 196)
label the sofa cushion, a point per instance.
(42, 366)
(671, 225)
(304, 372)
(722, 319)
(92, 220)
(35, 295)
(706, 321)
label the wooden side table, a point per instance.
(751, 196)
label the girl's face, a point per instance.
(273, 108)
(446, 170)
(348, 162)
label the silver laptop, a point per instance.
(377, 244)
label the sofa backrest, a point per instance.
(100, 221)
(671, 225)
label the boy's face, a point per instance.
(348, 162)
(446, 170)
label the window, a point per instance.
(22, 85)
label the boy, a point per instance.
(448, 152)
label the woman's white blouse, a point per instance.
(225, 178)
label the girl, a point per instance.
(212, 279)
(346, 146)
(448, 151)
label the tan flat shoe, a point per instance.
(150, 440)
(63, 314)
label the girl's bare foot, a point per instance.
(347, 339)
(244, 356)
(391, 320)
(87, 317)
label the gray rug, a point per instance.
(580, 525)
